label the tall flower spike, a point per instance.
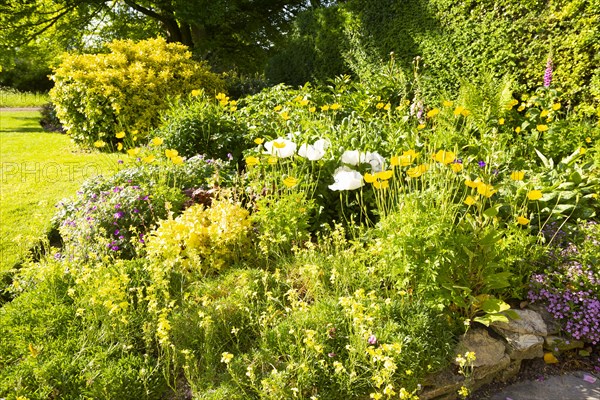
(548, 73)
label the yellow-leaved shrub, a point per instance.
(98, 95)
(201, 240)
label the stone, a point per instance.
(443, 385)
(486, 373)
(529, 322)
(522, 346)
(552, 325)
(488, 350)
(557, 344)
(511, 371)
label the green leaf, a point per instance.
(491, 212)
(494, 306)
(498, 281)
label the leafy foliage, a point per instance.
(127, 91)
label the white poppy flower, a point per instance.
(314, 151)
(376, 160)
(346, 179)
(281, 147)
(353, 157)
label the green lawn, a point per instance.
(37, 170)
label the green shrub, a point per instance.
(99, 95)
(204, 126)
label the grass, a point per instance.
(13, 98)
(37, 170)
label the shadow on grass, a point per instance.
(21, 130)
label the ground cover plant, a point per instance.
(338, 249)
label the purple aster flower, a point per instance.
(548, 73)
(118, 214)
(482, 164)
(117, 232)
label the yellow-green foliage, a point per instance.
(201, 240)
(97, 95)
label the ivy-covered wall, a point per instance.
(456, 40)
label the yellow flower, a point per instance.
(251, 161)
(221, 97)
(157, 141)
(517, 175)
(384, 175)
(170, 153)
(421, 126)
(485, 190)
(406, 158)
(376, 396)
(588, 139)
(196, 92)
(177, 160)
(99, 143)
(458, 110)
(233, 108)
(133, 152)
(119, 146)
(433, 113)
(542, 128)
(148, 159)
(272, 160)
(544, 113)
(312, 109)
(582, 150)
(369, 178)
(417, 171)
(465, 113)
(120, 135)
(556, 106)
(501, 121)
(470, 200)
(335, 106)
(325, 107)
(534, 195)
(381, 184)
(444, 157)
(518, 129)
(463, 392)
(448, 103)
(511, 104)
(472, 184)
(279, 145)
(259, 141)
(379, 106)
(394, 161)
(233, 103)
(521, 220)
(387, 107)
(304, 102)
(521, 107)
(285, 115)
(226, 357)
(290, 181)
(456, 167)
(277, 108)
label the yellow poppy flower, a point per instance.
(196, 92)
(277, 108)
(285, 115)
(157, 141)
(312, 109)
(444, 157)
(465, 113)
(521, 220)
(517, 175)
(395, 161)
(259, 141)
(472, 184)
(325, 108)
(518, 129)
(119, 146)
(304, 102)
(133, 152)
(177, 160)
(369, 178)
(381, 184)
(335, 106)
(421, 126)
(582, 150)
(534, 195)
(501, 121)
(221, 96)
(417, 171)
(290, 181)
(485, 190)
(458, 110)
(588, 139)
(170, 153)
(99, 143)
(470, 200)
(448, 103)
(272, 160)
(556, 106)
(384, 175)
(544, 113)
(456, 167)
(542, 128)
(387, 107)
(379, 106)
(251, 161)
(120, 135)
(148, 159)
(433, 113)
(521, 107)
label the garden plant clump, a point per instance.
(321, 242)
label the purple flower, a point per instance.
(117, 232)
(229, 156)
(372, 339)
(331, 355)
(118, 214)
(135, 211)
(117, 206)
(120, 161)
(548, 73)
(115, 248)
(457, 161)
(482, 164)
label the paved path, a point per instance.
(11, 109)
(577, 385)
